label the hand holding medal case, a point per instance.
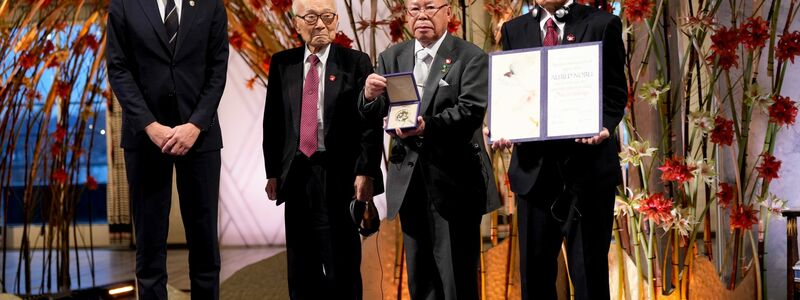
(401, 89)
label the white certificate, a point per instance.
(545, 93)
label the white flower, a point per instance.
(773, 204)
(702, 169)
(634, 152)
(702, 120)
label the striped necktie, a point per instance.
(171, 23)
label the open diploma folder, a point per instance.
(546, 93)
(404, 101)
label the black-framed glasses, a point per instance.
(312, 18)
(429, 11)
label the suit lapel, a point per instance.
(332, 83)
(188, 13)
(294, 74)
(533, 33)
(150, 8)
(575, 26)
(436, 72)
(405, 60)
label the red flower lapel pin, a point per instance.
(570, 37)
(332, 78)
(446, 65)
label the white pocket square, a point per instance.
(443, 83)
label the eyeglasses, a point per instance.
(429, 11)
(312, 18)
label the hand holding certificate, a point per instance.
(545, 93)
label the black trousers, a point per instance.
(442, 255)
(542, 217)
(322, 243)
(150, 181)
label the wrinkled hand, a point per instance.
(363, 188)
(374, 87)
(182, 141)
(419, 131)
(597, 139)
(272, 189)
(502, 144)
(159, 134)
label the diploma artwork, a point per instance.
(545, 93)
(403, 101)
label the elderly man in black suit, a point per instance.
(438, 171)
(319, 154)
(167, 63)
(557, 179)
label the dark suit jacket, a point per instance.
(450, 155)
(149, 79)
(579, 163)
(352, 145)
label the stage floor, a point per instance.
(113, 266)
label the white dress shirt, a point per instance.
(545, 15)
(162, 4)
(322, 54)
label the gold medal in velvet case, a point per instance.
(404, 100)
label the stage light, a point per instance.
(120, 290)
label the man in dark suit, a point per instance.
(436, 173)
(167, 62)
(319, 154)
(554, 180)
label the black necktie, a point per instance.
(171, 23)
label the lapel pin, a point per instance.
(570, 38)
(191, 3)
(332, 78)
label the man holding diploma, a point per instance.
(565, 188)
(436, 173)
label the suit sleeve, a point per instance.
(377, 109)
(460, 121)
(615, 91)
(216, 70)
(274, 129)
(120, 66)
(504, 40)
(368, 162)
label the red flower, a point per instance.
(250, 25)
(727, 59)
(281, 6)
(343, 40)
(783, 111)
(48, 48)
(91, 183)
(63, 89)
(637, 10)
(453, 25)
(236, 40)
(258, 4)
(55, 150)
(744, 217)
(769, 167)
(722, 134)
(724, 43)
(265, 64)
(60, 134)
(725, 194)
(656, 208)
(59, 176)
(396, 29)
(754, 32)
(788, 46)
(26, 60)
(675, 170)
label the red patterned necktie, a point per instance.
(551, 35)
(308, 114)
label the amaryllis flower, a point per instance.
(725, 194)
(396, 29)
(723, 48)
(773, 204)
(703, 169)
(656, 208)
(236, 40)
(744, 217)
(702, 120)
(769, 167)
(622, 207)
(783, 111)
(651, 91)
(91, 183)
(682, 221)
(637, 10)
(257, 4)
(343, 40)
(281, 6)
(63, 89)
(754, 33)
(788, 46)
(453, 25)
(26, 60)
(634, 152)
(722, 134)
(59, 176)
(674, 169)
(265, 63)
(60, 134)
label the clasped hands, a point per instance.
(176, 140)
